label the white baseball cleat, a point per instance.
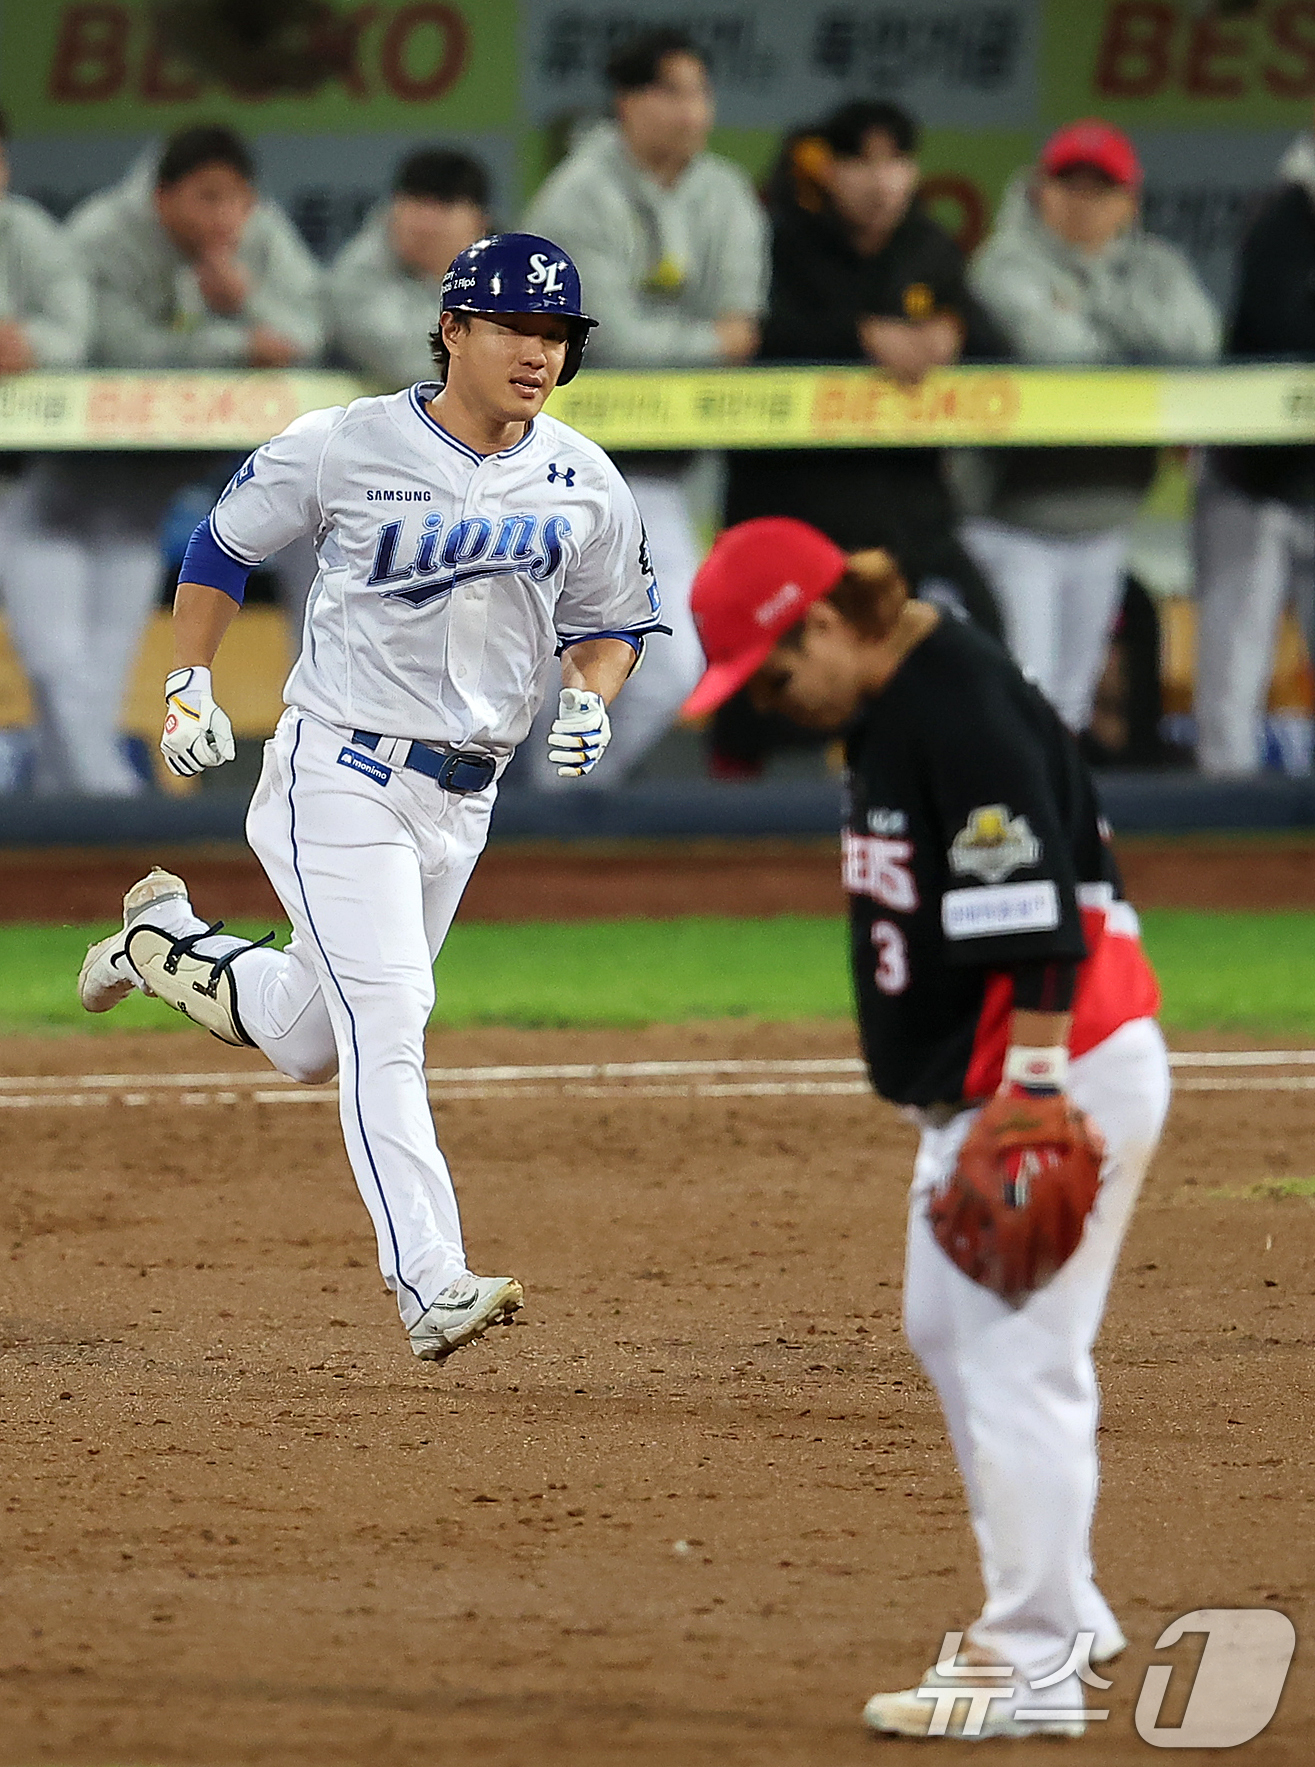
(105, 977)
(973, 1699)
(462, 1312)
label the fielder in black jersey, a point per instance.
(992, 951)
(972, 838)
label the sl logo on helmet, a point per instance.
(544, 274)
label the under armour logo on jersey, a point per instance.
(565, 473)
(545, 275)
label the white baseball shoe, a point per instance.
(106, 977)
(462, 1312)
(974, 1699)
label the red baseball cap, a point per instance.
(760, 579)
(1093, 143)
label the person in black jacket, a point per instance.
(1255, 513)
(860, 273)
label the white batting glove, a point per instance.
(197, 733)
(579, 734)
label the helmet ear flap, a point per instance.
(574, 354)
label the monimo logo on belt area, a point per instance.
(366, 764)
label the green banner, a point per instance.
(81, 66)
(1152, 64)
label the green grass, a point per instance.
(1248, 972)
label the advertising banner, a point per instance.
(958, 63)
(100, 66)
(745, 408)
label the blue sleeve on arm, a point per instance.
(205, 561)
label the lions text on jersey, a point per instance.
(447, 579)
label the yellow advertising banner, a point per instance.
(735, 408)
(176, 410)
(1001, 407)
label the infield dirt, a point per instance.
(243, 1524)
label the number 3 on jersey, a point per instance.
(891, 947)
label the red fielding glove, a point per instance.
(1013, 1211)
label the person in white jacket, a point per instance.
(189, 268)
(1070, 277)
(385, 283)
(672, 247)
(45, 322)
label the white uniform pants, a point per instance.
(1253, 557)
(370, 876)
(1059, 599)
(647, 706)
(1017, 1385)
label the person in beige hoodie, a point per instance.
(672, 248)
(384, 285)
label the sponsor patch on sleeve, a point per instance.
(366, 764)
(996, 909)
(992, 843)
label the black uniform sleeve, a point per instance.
(1045, 986)
(1011, 890)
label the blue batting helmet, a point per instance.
(519, 273)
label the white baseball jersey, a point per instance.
(446, 578)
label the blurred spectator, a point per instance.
(189, 269)
(384, 285)
(45, 308)
(1255, 512)
(1071, 277)
(671, 246)
(45, 318)
(860, 272)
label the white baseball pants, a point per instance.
(1253, 557)
(370, 876)
(1059, 599)
(647, 706)
(1017, 1385)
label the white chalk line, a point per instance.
(604, 1070)
(728, 1078)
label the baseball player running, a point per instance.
(1004, 999)
(463, 540)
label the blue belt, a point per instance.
(457, 773)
